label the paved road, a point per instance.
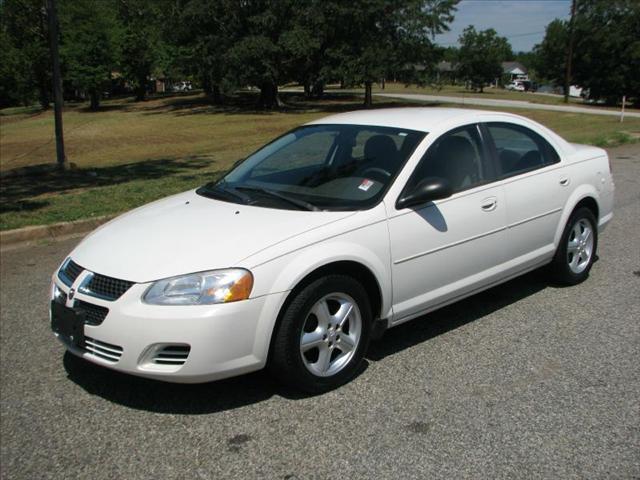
(527, 380)
(505, 103)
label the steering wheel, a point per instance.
(381, 173)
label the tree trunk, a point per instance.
(307, 89)
(318, 89)
(368, 101)
(269, 96)
(44, 93)
(141, 89)
(216, 94)
(94, 100)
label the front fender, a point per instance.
(288, 271)
(277, 277)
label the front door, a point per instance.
(447, 248)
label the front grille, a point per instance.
(69, 272)
(171, 355)
(93, 314)
(103, 350)
(105, 287)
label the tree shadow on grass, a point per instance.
(245, 103)
(17, 191)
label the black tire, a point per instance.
(560, 269)
(286, 362)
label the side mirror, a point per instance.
(427, 190)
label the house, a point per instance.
(446, 72)
(514, 71)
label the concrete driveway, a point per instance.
(527, 380)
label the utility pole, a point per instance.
(52, 15)
(567, 74)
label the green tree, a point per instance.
(259, 55)
(25, 59)
(15, 87)
(89, 33)
(378, 37)
(607, 49)
(140, 41)
(481, 56)
(306, 42)
(204, 31)
(550, 55)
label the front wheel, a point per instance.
(323, 335)
(577, 250)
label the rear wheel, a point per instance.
(323, 335)
(577, 250)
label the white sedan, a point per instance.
(326, 237)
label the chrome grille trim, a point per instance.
(69, 271)
(103, 350)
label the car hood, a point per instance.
(189, 233)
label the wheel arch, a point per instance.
(353, 268)
(591, 204)
(585, 196)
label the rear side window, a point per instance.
(520, 149)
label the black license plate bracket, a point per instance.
(68, 323)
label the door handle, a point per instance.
(564, 181)
(489, 204)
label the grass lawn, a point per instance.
(128, 154)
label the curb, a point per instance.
(52, 232)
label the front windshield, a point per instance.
(320, 167)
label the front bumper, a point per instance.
(223, 340)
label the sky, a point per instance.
(521, 21)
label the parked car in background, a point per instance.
(516, 86)
(324, 238)
(183, 86)
(522, 86)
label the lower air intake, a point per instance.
(103, 350)
(171, 355)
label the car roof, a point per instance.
(433, 119)
(424, 119)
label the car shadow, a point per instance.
(446, 319)
(175, 398)
(155, 396)
(160, 397)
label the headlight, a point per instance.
(204, 288)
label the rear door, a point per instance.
(535, 189)
(446, 248)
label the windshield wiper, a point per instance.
(286, 198)
(224, 189)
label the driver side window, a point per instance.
(456, 156)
